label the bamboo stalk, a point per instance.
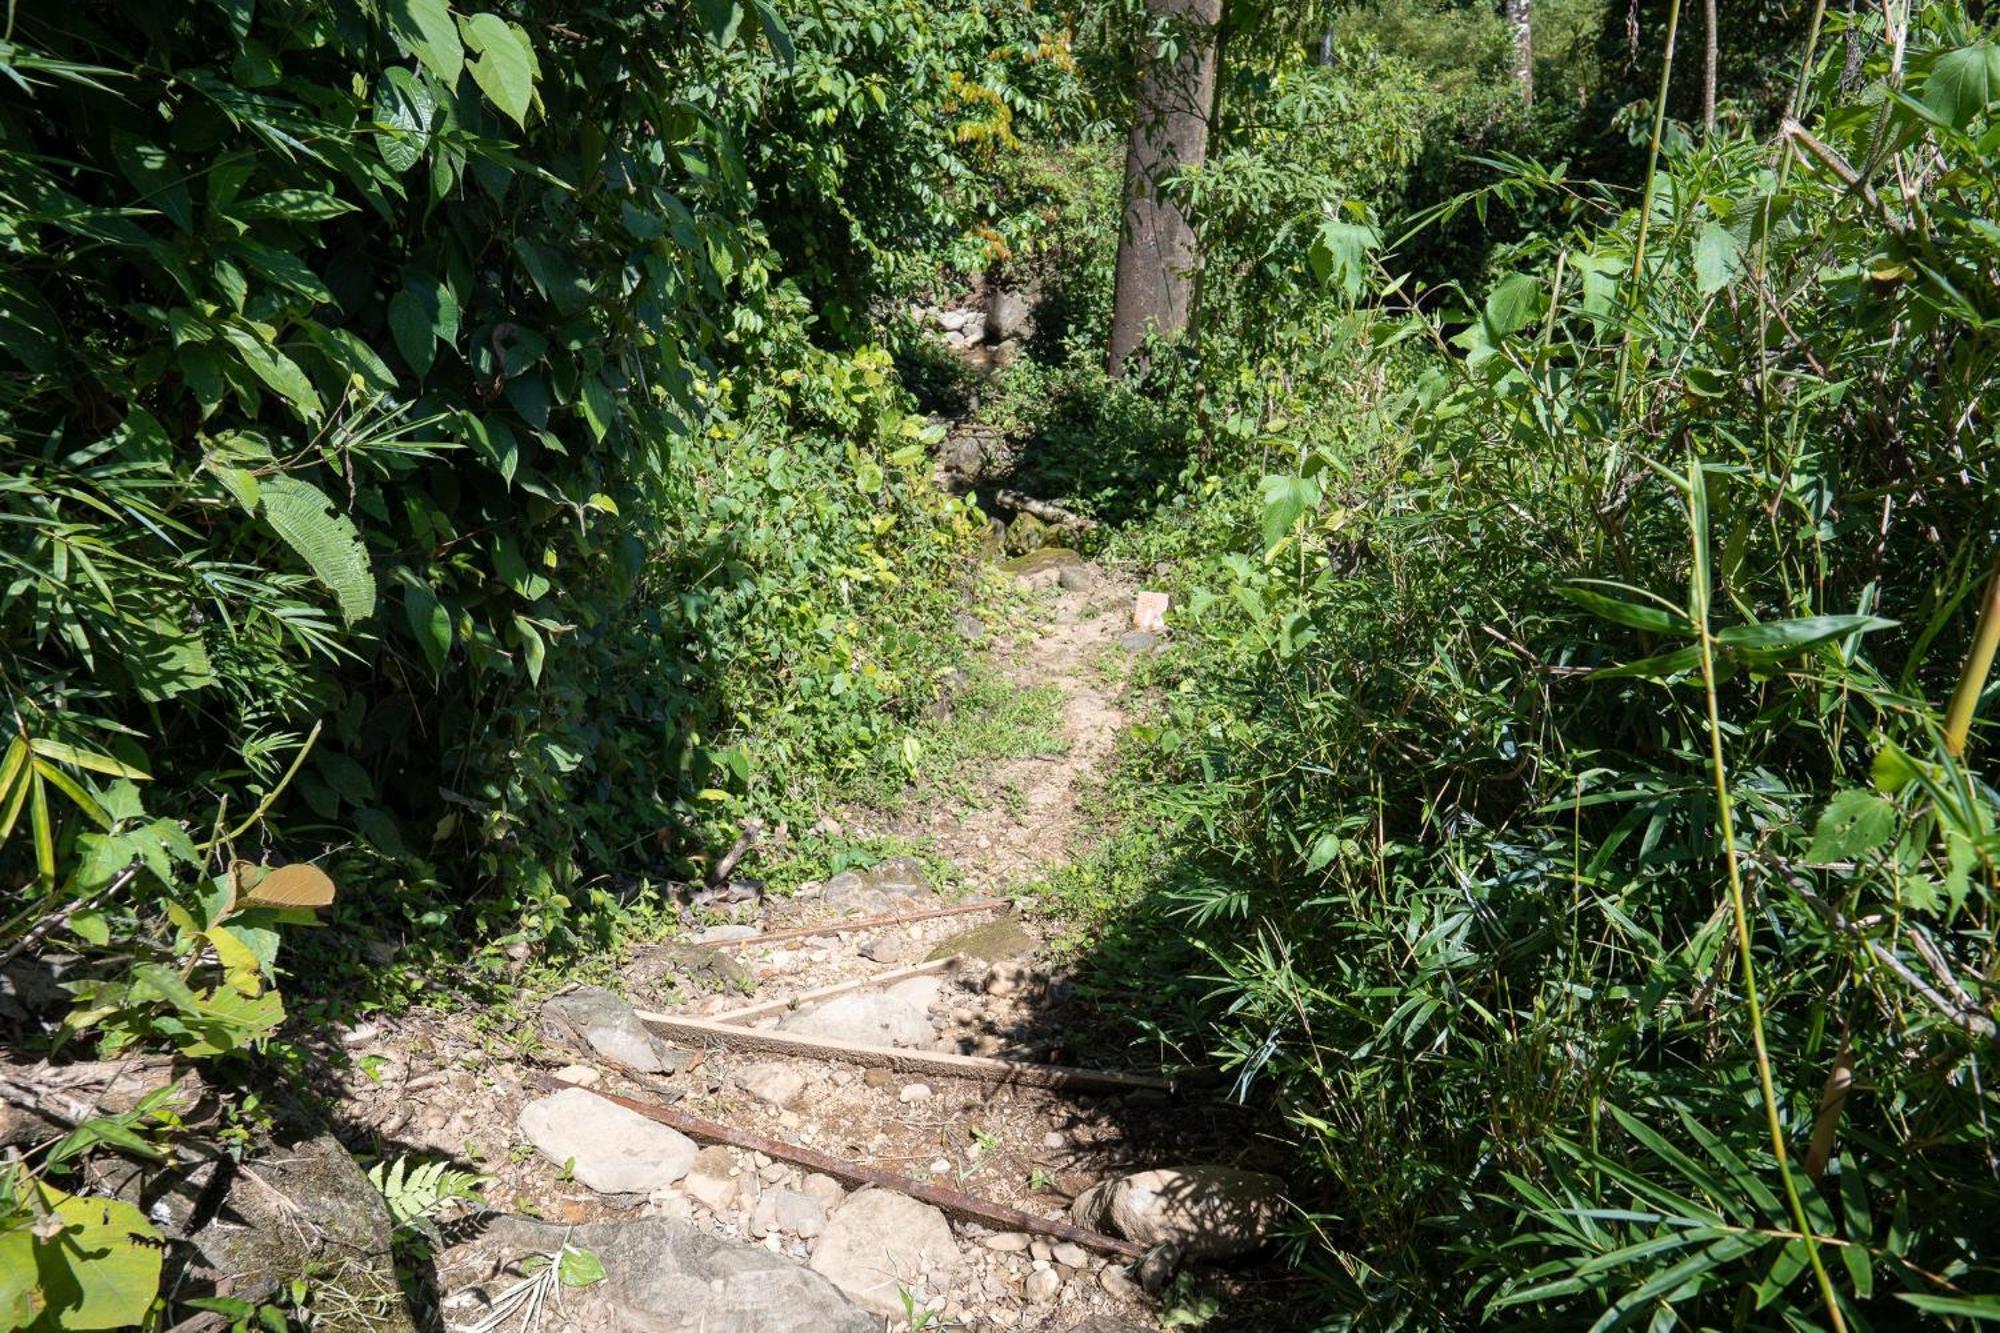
(1978, 665)
(1699, 593)
(950, 1200)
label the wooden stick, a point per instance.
(950, 1200)
(1042, 509)
(984, 1069)
(865, 923)
(753, 1012)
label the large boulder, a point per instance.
(866, 1019)
(1006, 314)
(886, 887)
(610, 1149)
(591, 1018)
(881, 1243)
(661, 1275)
(1209, 1212)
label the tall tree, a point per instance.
(1157, 256)
(1521, 23)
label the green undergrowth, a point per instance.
(1565, 811)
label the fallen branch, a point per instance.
(982, 1068)
(1042, 509)
(950, 1200)
(753, 833)
(865, 923)
(751, 1013)
(60, 918)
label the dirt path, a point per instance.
(1025, 815)
(442, 1085)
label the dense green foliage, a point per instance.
(480, 452)
(453, 447)
(1432, 814)
(461, 402)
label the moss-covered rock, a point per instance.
(1047, 559)
(995, 942)
(1026, 533)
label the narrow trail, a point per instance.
(456, 1084)
(1026, 816)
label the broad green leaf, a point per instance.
(1718, 258)
(426, 25)
(719, 18)
(1338, 255)
(430, 623)
(278, 372)
(1853, 824)
(1985, 1308)
(1963, 83)
(579, 1267)
(533, 649)
(291, 206)
(1784, 637)
(380, 831)
(1514, 301)
(403, 108)
(160, 180)
(86, 759)
(102, 1269)
(1285, 499)
(1661, 667)
(1893, 769)
(505, 69)
(241, 483)
(327, 540)
(410, 324)
(597, 405)
(775, 31)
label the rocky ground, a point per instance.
(701, 1234)
(707, 1229)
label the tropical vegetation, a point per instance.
(458, 465)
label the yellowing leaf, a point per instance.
(298, 885)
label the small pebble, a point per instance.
(1007, 1242)
(915, 1092)
(1043, 1285)
(1040, 1249)
(1071, 1255)
(581, 1075)
(1054, 1139)
(940, 1167)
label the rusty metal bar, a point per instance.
(950, 1200)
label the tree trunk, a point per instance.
(1522, 24)
(1157, 259)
